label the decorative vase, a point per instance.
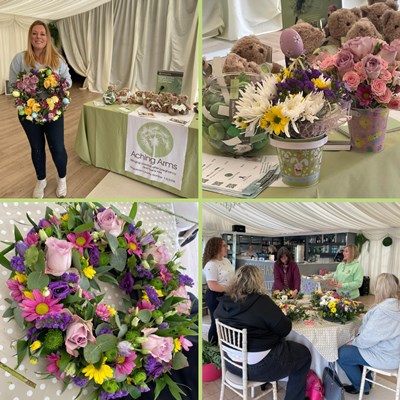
(218, 109)
(210, 373)
(367, 129)
(299, 159)
(109, 97)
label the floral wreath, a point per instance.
(56, 297)
(41, 95)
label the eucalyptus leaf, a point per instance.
(40, 264)
(65, 359)
(84, 282)
(106, 342)
(92, 352)
(71, 220)
(179, 361)
(37, 280)
(102, 269)
(122, 330)
(31, 256)
(76, 260)
(83, 227)
(144, 316)
(113, 242)
(93, 283)
(118, 259)
(109, 279)
(9, 313)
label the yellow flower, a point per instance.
(144, 296)
(35, 345)
(50, 104)
(98, 375)
(33, 361)
(28, 111)
(16, 93)
(159, 292)
(30, 102)
(177, 345)
(36, 107)
(333, 310)
(275, 120)
(55, 99)
(112, 311)
(28, 294)
(21, 278)
(65, 217)
(89, 272)
(46, 84)
(321, 83)
(332, 304)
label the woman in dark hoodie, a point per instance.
(271, 357)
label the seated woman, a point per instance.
(286, 272)
(271, 357)
(378, 341)
(348, 276)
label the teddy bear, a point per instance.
(236, 63)
(340, 22)
(363, 27)
(371, 2)
(312, 37)
(391, 25)
(375, 12)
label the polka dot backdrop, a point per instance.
(15, 213)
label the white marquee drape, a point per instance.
(113, 41)
(375, 220)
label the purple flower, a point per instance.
(153, 296)
(127, 283)
(147, 239)
(152, 367)
(70, 277)
(21, 247)
(59, 289)
(32, 334)
(17, 264)
(94, 256)
(131, 229)
(54, 321)
(185, 280)
(105, 331)
(43, 223)
(163, 325)
(144, 273)
(111, 396)
(81, 382)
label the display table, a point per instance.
(344, 174)
(309, 285)
(101, 141)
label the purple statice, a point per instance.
(94, 256)
(54, 321)
(105, 331)
(17, 264)
(143, 388)
(163, 325)
(59, 289)
(81, 382)
(144, 273)
(127, 282)
(185, 280)
(32, 334)
(152, 367)
(153, 296)
(21, 247)
(131, 229)
(70, 277)
(112, 396)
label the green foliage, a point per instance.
(211, 354)
(360, 240)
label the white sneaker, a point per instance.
(38, 192)
(61, 190)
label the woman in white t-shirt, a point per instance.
(218, 272)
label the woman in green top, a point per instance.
(349, 274)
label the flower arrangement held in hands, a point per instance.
(370, 69)
(55, 297)
(41, 95)
(335, 308)
(299, 102)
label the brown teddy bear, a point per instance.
(371, 2)
(340, 22)
(236, 63)
(391, 25)
(312, 37)
(375, 12)
(363, 27)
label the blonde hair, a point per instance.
(51, 57)
(386, 287)
(247, 280)
(353, 252)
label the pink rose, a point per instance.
(160, 254)
(396, 44)
(372, 66)
(328, 63)
(386, 76)
(79, 332)
(108, 221)
(385, 98)
(396, 77)
(378, 87)
(58, 256)
(352, 79)
(388, 53)
(394, 103)
(184, 306)
(344, 61)
(360, 46)
(160, 348)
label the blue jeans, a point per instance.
(37, 135)
(352, 362)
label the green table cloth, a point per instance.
(344, 174)
(101, 141)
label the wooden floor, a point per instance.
(18, 176)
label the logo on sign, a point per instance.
(155, 140)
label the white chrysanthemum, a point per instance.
(293, 106)
(267, 87)
(313, 104)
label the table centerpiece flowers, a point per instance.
(41, 95)
(370, 69)
(297, 106)
(57, 300)
(286, 294)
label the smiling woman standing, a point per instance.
(40, 54)
(218, 272)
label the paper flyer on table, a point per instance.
(156, 147)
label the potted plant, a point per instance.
(211, 362)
